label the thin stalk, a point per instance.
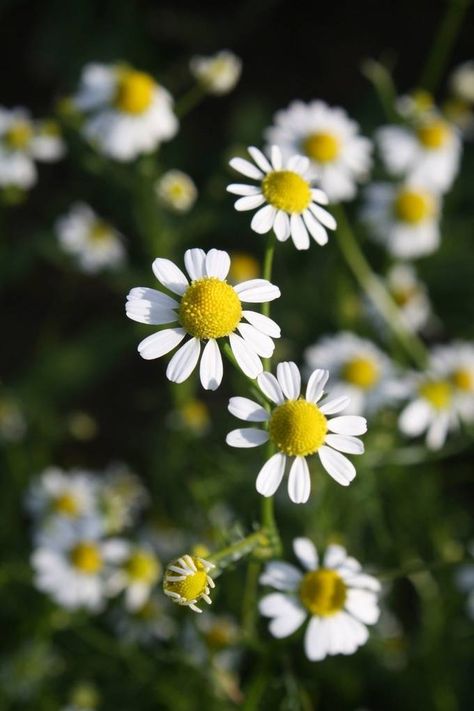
(382, 81)
(249, 606)
(234, 552)
(415, 568)
(190, 100)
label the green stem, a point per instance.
(234, 552)
(190, 100)
(249, 606)
(443, 44)
(415, 568)
(384, 87)
(375, 290)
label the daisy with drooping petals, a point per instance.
(455, 363)
(218, 74)
(298, 427)
(290, 203)
(330, 139)
(187, 581)
(127, 112)
(137, 574)
(404, 218)
(338, 598)
(208, 309)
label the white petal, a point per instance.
(160, 343)
(288, 623)
(299, 483)
(363, 605)
(275, 153)
(338, 404)
(274, 604)
(261, 344)
(194, 261)
(184, 361)
(316, 230)
(249, 202)
(415, 417)
(271, 474)
(299, 233)
(257, 291)
(217, 263)
(319, 196)
(263, 323)
(306, 551)
(245, 356)
(324, 217)
(246, 168)
(316, 639)
(335, 556)
(239, 189)
(211, 368)
(363, 581)
(149, 313)
(262, 221)
(345, 443)
(260, 159)
(290, 379)
(348, 425)
(298, 164)
(142, 293)
(247, 410)
(315, 387)
(281, 226)
(337, 465)
(246, 437)
(281, 576)
(170, 275)
(437, 431)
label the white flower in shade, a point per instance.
(58, 494)
(415, 105)
(339, 599)
(122, 497)
(144, 625)
(127, 112)
(217, 74)
(187, 581)
(290, 203)
(454, 363)
(427, 153)
(465, 583)
(340, 156)
(298, 427)
(93, 243)
(208, 309)
(462, 82)
(22, 142)
(360, 369)
(410, 295)
(176, 190)
(404, 218)
(137, 574)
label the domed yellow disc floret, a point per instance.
(210, 308)
(286, 191)
(322, 147)
(142, 567)
(438, 393)
(413, 207)
(463, 379)
(323, 592)
(298, 428)
(134, 91)
(86, 557)
(19, 135)
(187, 581)
(66, 504)
(362, 372)
(434, 134)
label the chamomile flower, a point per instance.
(415, 105)
(145, 625)
(340, 156)
(455, 363)
(176, 191)
(298, 427)
(337, 597)
(217, 74)
(404, 218)
(137, 574)
(187, 581)
(67, 496)
(122, 497)
(127, 112)
(360, 369)
(426, 153)
(410, 295)
(290, 203)
(462, 82)
(93, 243)
(243, 266)
(208, 309)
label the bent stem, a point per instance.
(234, 552)
(190, 100)
(382, 81)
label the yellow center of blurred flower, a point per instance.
(438, 393)
(19, 135)
(66, 504)
(362, 372)
(221, 634)
(298, 428)
(195, 415)
(50, 128)
(142, 567)
(422, 100)
(134, 91)
(192, 586)
(463, 379)
(433, 135)
(243, 267)
(100, 232)
(322, 147)
(323, 592)
(286, 191)
(413, 207)
(86, 557)
(210, 308)
(402, 296)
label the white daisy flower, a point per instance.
(144, 625)
(427, 153)
(340, 156)
(176, 190)
(298, 427)
(208, 309)
(68, 496)
(361, 370)
(338, 598)
(410, 295)
(122, 497)
(187, 581)
(462, 82)
(417, 104)
(290, 203)
(217, 74)
(455, 363)
(138, 572)
(404, 218)
(128, 113)
(93, 243)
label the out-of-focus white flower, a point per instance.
(410, 295)
(404, 218)
(137, 573)
(287, 201)
(415, 105)
(127, 112)
(462, 82)
(338, 597)
(148, 623)
(217, 74)
(176, 190)
(340, 156)
(187, 581)
(191, 416)
(93, 243)
(243, 266)
(455, 363)
(56, 494)
(122, 497)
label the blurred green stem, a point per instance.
(384, 87)
(190, 100)
(231, 554)
(375, 290)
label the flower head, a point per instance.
(462, 82)
(137, 573)
(187, 581)
(176, 191)
(217, 74)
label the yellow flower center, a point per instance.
(195, 415)
(422, 100)
(433, 135)
(100, 232)
(210, 308)
(413, 207)
(19, 135)
(298, 428)
(86, 557)
(438, 393)
(134, 91)
(322, 147)
(193, 585)
(463, 379)
(142, 567)
(323, 592)
(362, 372)
(66, 504)
(243, 267)
(286, 191)
(403, 296)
